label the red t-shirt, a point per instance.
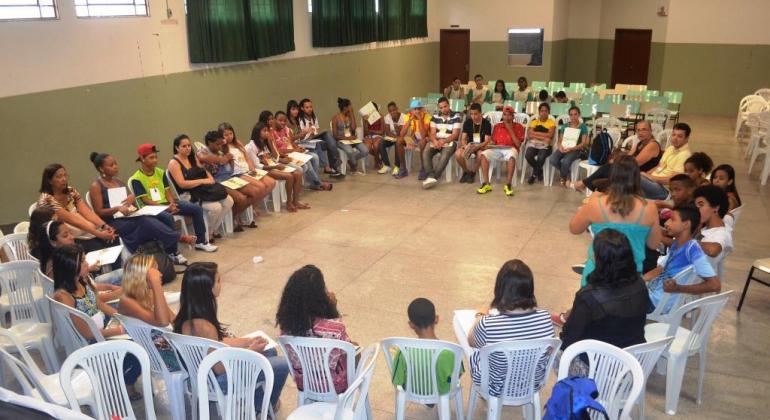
(502, 137)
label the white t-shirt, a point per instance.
(719, 235)
(240, 165)
(305, 123)
(391, 125)
(252, 153)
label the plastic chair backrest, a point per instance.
(674, 97)
(633, 106)
(63, 324)
(457, 105)
(494, 117)
(618, 375)
(658, 115)
(26, 371)
(21, 227)
(578, 87)
(764, 93)
(620, 110)
(559, 108)
(522, 118)
(352, 403)
(103, 364)
(589, 98)
(538, 86)
(32, 208)
(607, 122)
(670, 302)
(663, 137)
(16, 281)
(648, 353)
(434, 96)
(587, 109)
(485, 108)
(755, 104)
(629, 142)
(242, 368)
(313, 355)
(704, 312)
(192, 350)
(511, 87)
(141, 333)
(555, 86)
(527, 365)
(598, 87)
(15, 247)
(421, 357)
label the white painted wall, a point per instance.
(46, 55)
(489, 20)
(633, 14)
(584, 19)
(719, 22)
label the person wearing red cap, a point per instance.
(151, 188)
(507, 137)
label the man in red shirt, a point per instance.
(507, 137)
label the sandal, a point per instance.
(291, 208)
(238, 228)
(301, 206)
(326, 186)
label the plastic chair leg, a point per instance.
(276, 195)
(459, 405)
(48, 352)
(701, 374)
(536, 406)
(754, 154)
(472, 401)
(674, 378)
(493, 409)
(765, 171)
(444, 413)
(400, 405)
(175, 390)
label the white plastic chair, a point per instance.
(15, 247)
(352, 404)
(65, 327)
(527, 365)
(192, 350)
(764, 93)
(618, 375)
(663, 138)
(32, 208)
(759, 125)
(242, 368)
(658, 116)
(28, 325)
(703, 313)
(670, 302)
(749, 104)
(223, 226)
(53, 410)
(760, 147)
(21, 227)
(313, 355)
(141, 333)
(494, 117)
(28, 268)
(35, 383)
(648, 355)
(420, 358)
(103, 365)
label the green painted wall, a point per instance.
(581, 57)
(66, 125)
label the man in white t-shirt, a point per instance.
(394, 120)
(716, 239)
(480, 93)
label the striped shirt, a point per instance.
(445, 124)
(508, 327)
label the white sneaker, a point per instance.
(178, 259)
(384, 170)
(206, 247)
(429, 183)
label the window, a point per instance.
(525, 47)
(104, 8)
(27, 9)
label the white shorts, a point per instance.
(501, 154)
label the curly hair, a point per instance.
(303, 300)
(615, 265)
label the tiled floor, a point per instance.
(382, 242)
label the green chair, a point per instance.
(511, 87)
(485, 107)
(433, 97)
(555, 86)
(538, 86)
(647, 94)
(603, 106)
(587, 110)
(635, 95)
(576, 87)
(590, 98)
(614, 98)
(634, 106)
(662, 101)
(558, 109)
(674, 98)
(599, 87)
(515, 104)
(457, 105)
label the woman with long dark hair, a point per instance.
(622, 208)
(309, 124)
(308, 309)
(197, 316)
(612, 307)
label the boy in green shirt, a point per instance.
(423, 320)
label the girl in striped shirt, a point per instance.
(513, 315)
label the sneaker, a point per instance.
(508, 190)
(429, 183)
(178, 259)
(540, 177)
(403, 173)
(464, 178)
(384, 170)
(336, 174)
(471, 177)
(396, 171)
(422, 176)
(531, 180)
(484, 189)
(206, 247)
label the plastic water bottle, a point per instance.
(257, 259)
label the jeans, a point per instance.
(280, 372)
(563, 161)
(536, 159)
(652, 190)
(445, 153)
(310, 170)
(384, 146)
(192, 210)
(333, 155)
(355, 152)
(114, 277)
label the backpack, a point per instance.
(165, 264)
(572, 398)
(601, 149)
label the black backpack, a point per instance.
(165, 264)
(601, 149)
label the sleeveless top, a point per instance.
(341, 126)
(635, 232)
(652, 163)
(87, 302)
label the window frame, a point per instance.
(146, 3)
(55, 6)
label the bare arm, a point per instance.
(176, 173)
(712, 249)
(709, 285)
(649, 151)
(582, 218)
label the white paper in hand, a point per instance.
(570, 137)
(271, 344)
(116, 196)
(104, 256)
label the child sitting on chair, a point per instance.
(423, 320)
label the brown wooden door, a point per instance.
(631, 56)
(455, 56)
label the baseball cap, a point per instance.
(144, 150)
(416, 103)
(509, 108)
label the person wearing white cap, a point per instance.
(415, 129)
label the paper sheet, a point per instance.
(104, 256)
(116, 196)
(235, 183)
(350, 141)
(369, 112)
(570, 137)
(299, 158)
(258, 174)
(145, 211)
(271, 344)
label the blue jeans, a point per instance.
(192, 210)
(114, 277)
(355, 152)
(652, 190)
(280, 372)
(563, 161)
(310, 171)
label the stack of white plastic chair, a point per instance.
(65, 328)
(527, 365)
(420, 358)
(764, 93)
(759, 144)
(103, 365)
(353, 403)
(15, 247)
(748, 105)
(687, 342)
(648, 355)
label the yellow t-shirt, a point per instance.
(672, 161)
(547, 125)
(413, 126)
